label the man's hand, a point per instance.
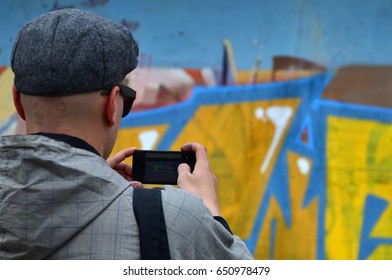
(123, 168)
(201, 182)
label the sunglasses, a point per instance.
(129, 96)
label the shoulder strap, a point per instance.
(147, 206)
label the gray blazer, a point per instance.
(62, 202)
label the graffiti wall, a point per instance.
(300, 177)
(303, 153)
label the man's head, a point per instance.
(67, 56)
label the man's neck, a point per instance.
(75, 142)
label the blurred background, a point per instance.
(293, 99)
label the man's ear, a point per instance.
(18, 102)
(111, 106)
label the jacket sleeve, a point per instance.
(193, 233)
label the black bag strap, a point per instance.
(147, 206)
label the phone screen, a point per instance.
(159, 167)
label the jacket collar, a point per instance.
(71, 140)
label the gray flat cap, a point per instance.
(71, 51)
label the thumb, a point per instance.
(184, 171)
(183, 168)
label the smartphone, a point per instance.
(159, 167)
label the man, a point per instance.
(59, 196)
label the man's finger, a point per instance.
(136, 184)
(183, 168)
(120, 156)
(123, 168)
(183, 172)
(201, 154)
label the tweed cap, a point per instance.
(71, 51)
